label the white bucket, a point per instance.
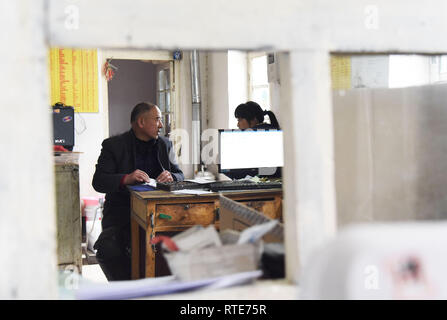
(93, 231)
(93, 216)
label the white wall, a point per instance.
(347, 26)
(218, 101)
(237, 84)
(390, 154)
(275, 86)
(185, 113)
(408, 70)
(89, 144)
(89, 134)
(369, 71)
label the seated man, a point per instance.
(129, 158)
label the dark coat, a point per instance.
(117, 159)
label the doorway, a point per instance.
(134, 81)
(145, 77)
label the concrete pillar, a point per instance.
(309, 189)
(27, 208)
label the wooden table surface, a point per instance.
(161, 194)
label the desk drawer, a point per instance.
(180, 214)
(267, 207)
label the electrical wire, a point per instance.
(84, 126)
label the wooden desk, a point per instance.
(150, 212)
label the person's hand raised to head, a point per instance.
(165, 176)
(138, 176)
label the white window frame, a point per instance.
(155, 55)
(167, 92)
(250, 57)
(442, 68)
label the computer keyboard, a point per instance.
(218, 186)
(243, 185)
(179, 185)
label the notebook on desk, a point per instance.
(142, 187)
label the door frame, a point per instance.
(167, 56)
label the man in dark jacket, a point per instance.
(130, 158)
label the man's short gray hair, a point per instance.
(139, 109)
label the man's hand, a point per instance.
(165, 176)
(136, 176)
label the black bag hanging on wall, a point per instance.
(63, 126)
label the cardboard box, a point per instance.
(204, 257)
(237, 216)
(213, 261)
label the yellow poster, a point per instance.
(341, 72)
(74, 78)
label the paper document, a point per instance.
(255, 233)
(197, 237)
(151, 183)
(191, 191)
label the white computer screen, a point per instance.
(251, 149)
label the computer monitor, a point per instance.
(250, 152)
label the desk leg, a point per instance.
(150, 255)
(135, 233)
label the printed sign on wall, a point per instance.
(74, 78)
(341, 72)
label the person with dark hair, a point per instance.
(251, 115)
(129, 158)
